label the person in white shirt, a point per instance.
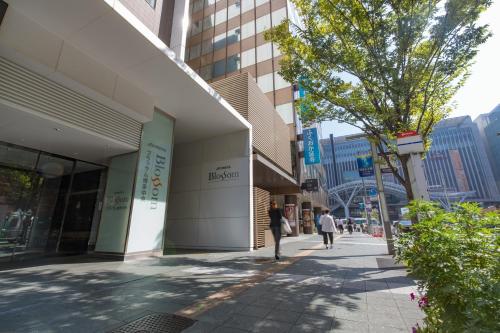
(328, 228)
(340, 224)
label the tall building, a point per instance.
(489, 129)
(226, 40)
(111, 144)
(457, 161)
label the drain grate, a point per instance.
(156, 323)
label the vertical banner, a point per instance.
(290, 214)
(311, 146)
(365, 166)
(152, 180)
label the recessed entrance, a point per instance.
(48, 203)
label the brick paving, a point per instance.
(353, 287)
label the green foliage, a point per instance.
(456, 258)
(380, 65)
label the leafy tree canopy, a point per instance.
(384, 66)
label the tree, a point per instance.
(384, 66)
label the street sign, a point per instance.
(310, 185)
(409, 142)
(365, 166)
(372, 192)
(311, 146)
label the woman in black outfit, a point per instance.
(275, 225)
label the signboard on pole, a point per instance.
(310, 185)
(372, 192)
(410, 142)
(311, 146)
(365, 166)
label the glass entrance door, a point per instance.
(47, 202)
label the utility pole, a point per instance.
(382, 203)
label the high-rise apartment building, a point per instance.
(489, 129)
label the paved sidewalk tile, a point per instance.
(354, 287)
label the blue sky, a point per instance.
(481, 92)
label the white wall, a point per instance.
(211, 214)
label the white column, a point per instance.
(180, 24)
(417, 177)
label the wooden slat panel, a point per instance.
(261, 200)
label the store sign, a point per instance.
(310, 185)
(311, 146)
(223, 173)
(409, 142)
(365, 166)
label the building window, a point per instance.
(247, 5)
(248, 30)
(279, 82)
(195, 51)
(206, 72)
(278, 16)
(233, 36)
(265, 82)
(209, 2)
(196, 27)
(206, 46)
(208, 22)
(197, 5)
(263, 23)
(152, 3)
(221, 16)
(233, 10)
(247, 58)
(276, 50)
(286, 112)
(233, 63)
(260, 2)
(219, 68)
(264, 52)
(219, 41)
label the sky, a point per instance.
(481, 92)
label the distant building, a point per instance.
(457, 160)
(489, 127)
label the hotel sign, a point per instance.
(223, 173)
(311, 146)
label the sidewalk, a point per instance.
(353, 287)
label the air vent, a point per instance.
(27, 89)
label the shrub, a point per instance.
(455, 256)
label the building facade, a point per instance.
(99, 119)
(226, 39)
(457, 161)
(489, 127)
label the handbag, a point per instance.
(285, 226)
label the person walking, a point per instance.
(340, 224)
(275, 226)
(328, 228)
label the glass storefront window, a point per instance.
(35, 198)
